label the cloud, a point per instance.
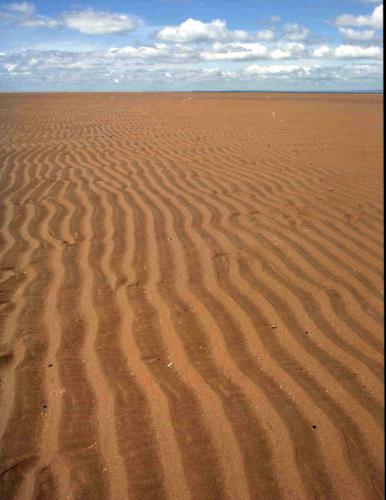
(288, 50)
(10, 67)
(295, 33)
(24, 14)
(96, 70)
(265, 35)
(156, 52)
(218, 51)
(39, 22)
(374, 20)
(193, 30)
(91, 22)
(347, 51)
(216, 73)
(257, 70)
(184, 55)
(26, 8)
(20, 7)
(234, 52)
(356, 35)
(321, 51)
(355, 51)
(241, 51)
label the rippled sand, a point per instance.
(191, 296)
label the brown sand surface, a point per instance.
(191, 296)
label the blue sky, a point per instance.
(321, 45)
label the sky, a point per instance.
(181, 45)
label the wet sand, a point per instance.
(191, 296)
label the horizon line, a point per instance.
(191, 91)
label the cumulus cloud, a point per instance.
(216, 73)
(356, 51)
(158, 51)
(24, 14)
(347, 51)
(295, 33)
(20, 7)
(39, 22)
(100, 69)
(357, 35)
(288, 50)
(321, 51)
(234, 52)
(91, 22)
(287, 69)
(10, 67)
(248, 51)
(193, 30)
(185, 54)
(265, 35)
(374, 20)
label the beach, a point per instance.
(191, 296)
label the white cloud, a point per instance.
(10, 67)
(45, 69)
(288, 50)
(39, 22)
(347, 51)
(280, 54)
(20, 7)
(242, 51)
(374, 20)
(265, 35)
(234, 52)
(193, 30)
(295, 33)
(357, 35)
(321, 51)
(355, 51)
(216, 73)
(91, 22)
(182, 55)
(24, 14)
(287, 69)
(158, 51)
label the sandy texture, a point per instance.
(191, 296)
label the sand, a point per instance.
(191, 296)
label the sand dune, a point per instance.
(191, 296)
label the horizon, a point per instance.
(192, 46)
(362, 92)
